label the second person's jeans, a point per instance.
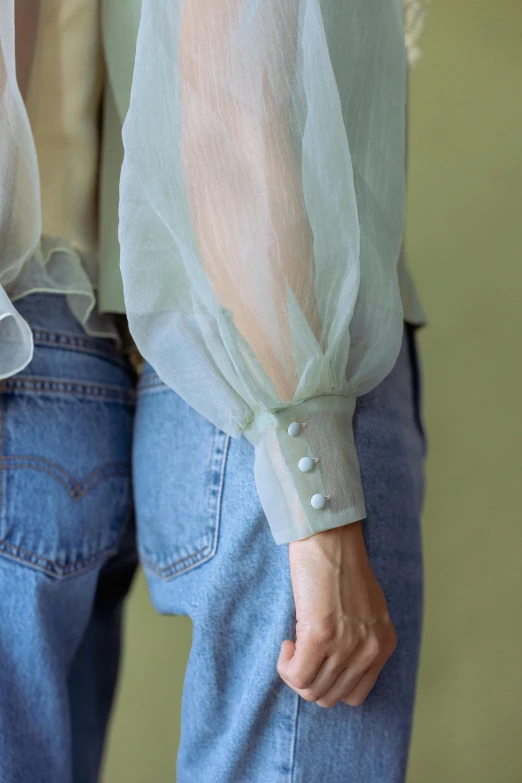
(67, 546)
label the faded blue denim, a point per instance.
(68, 556)
(208, 553)
(67, 546)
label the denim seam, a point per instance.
(97, 391)
(162, 571)
(219, 489)
(77, 343)
(172, 569)
(45, 383)
(294, 739)
(25, 556)
(76, 489)
(204, 554)
(210, 482)
(71, 338)
(219, 461)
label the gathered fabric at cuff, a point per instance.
(306, 467)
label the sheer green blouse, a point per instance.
(255, 235)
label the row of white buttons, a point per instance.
(305, 465)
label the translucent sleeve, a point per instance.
(20, 221)
(261, 220)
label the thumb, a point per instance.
(285, 655)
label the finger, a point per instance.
(329, 672)
(286, 653)
(347, 682)
(299, 662)
(358, 695)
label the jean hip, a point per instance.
(208, 553)
(66, 512)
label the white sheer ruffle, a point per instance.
(57, 268)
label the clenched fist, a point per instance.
(344, 634)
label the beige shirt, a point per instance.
(63, 104)
(76, 123)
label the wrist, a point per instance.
(345, 538)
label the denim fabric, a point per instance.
(67, 559)
(67, 546)
(208, 553)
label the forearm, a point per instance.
(244, 187)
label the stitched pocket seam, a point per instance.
(76, 489)
(27, 557)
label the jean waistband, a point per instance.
(53, 324)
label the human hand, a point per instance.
(344, 634)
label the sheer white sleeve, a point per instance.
(20, 221)
(261, 220)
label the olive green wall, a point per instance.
(464, 238)
(464, 234)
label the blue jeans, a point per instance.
(67, 546)
(208, 553)
(68, 555)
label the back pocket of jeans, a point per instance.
(178, 473)
(66, 493)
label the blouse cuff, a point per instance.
(16, 338)
(306, 467)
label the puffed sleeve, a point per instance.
(261, 219)
(20, 221)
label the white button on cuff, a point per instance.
(294, 429)
(306, 464)
(318, 501)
